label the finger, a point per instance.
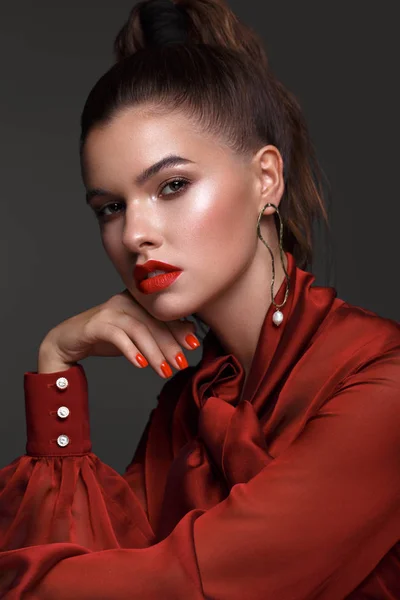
(180, 330)
(143, 343)
(170, 347)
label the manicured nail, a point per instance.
(166, 369)
(192, 340)
(141, 360)
(181, 360)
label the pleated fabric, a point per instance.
(291, 494)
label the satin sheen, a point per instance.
(291, 494)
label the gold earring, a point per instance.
(277, 317)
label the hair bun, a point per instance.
(163, 22)
(196, 22)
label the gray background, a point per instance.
(341, 62)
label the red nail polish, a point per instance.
(166, 369)
(141, 360)
(192, 340)
(181, 360)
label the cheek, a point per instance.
(216, 215)
(111, 241)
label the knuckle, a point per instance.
(160, 333)
(136, 326)
(90, 330)
(109, 330)
(105, 313)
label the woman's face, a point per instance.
(200, 216)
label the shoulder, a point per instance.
(364, 322)
(354, 356)
(368, 347)
(358, 335)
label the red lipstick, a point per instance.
(157, 282)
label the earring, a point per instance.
(277, 317)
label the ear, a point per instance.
(268, 168)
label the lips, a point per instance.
(140, 272)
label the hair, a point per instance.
(217, 73)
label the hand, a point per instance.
(119, 326)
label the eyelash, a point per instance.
(100, 212)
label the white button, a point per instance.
(63, 412)
(62, 383)
(63, 440)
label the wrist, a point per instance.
(49, 361)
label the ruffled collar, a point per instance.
(278, 347)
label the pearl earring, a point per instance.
(277, 317)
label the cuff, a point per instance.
(57, 413)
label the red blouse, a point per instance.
(291, 494)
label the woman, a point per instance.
(270, 470)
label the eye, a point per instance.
(101, 214)
(179, 181)
(113, 207)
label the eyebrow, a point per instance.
(171, 160)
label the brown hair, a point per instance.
(220, 78)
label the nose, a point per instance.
(140, 229)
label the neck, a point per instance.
(236, 317)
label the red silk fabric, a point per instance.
(291, 494)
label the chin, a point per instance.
(165, 313)
(167, 309)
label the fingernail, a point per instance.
(192, 340)
(181, 360)
(141, 360)
(166, 369)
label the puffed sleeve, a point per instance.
(311, 525)
(60, 491)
